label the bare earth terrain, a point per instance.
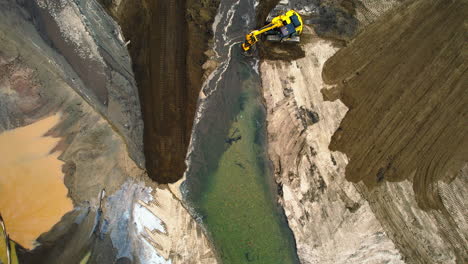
(382, 176)
(366, 123)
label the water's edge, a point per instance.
(216, 123)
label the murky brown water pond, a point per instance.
(33, 196)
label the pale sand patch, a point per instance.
(33, 196)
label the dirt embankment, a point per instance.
(167, 44)
(404, 81)
(401, 49)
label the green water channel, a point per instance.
(236, 196)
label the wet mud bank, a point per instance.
(168, 41)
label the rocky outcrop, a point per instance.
(69, 58)
(337, 208)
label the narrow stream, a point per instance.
(229, 180)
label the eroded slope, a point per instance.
(336, 220)
(404, 80)
(167, 44)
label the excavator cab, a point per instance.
(286, 27)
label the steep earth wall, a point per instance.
(405, 133)
(69, 58)
(333, 211)
(168, 42)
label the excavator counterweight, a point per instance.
(281, 28)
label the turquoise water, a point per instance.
(230, 183)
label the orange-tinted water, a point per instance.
(33, 196)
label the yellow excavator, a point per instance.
(286, 27)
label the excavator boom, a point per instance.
(284, 26)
